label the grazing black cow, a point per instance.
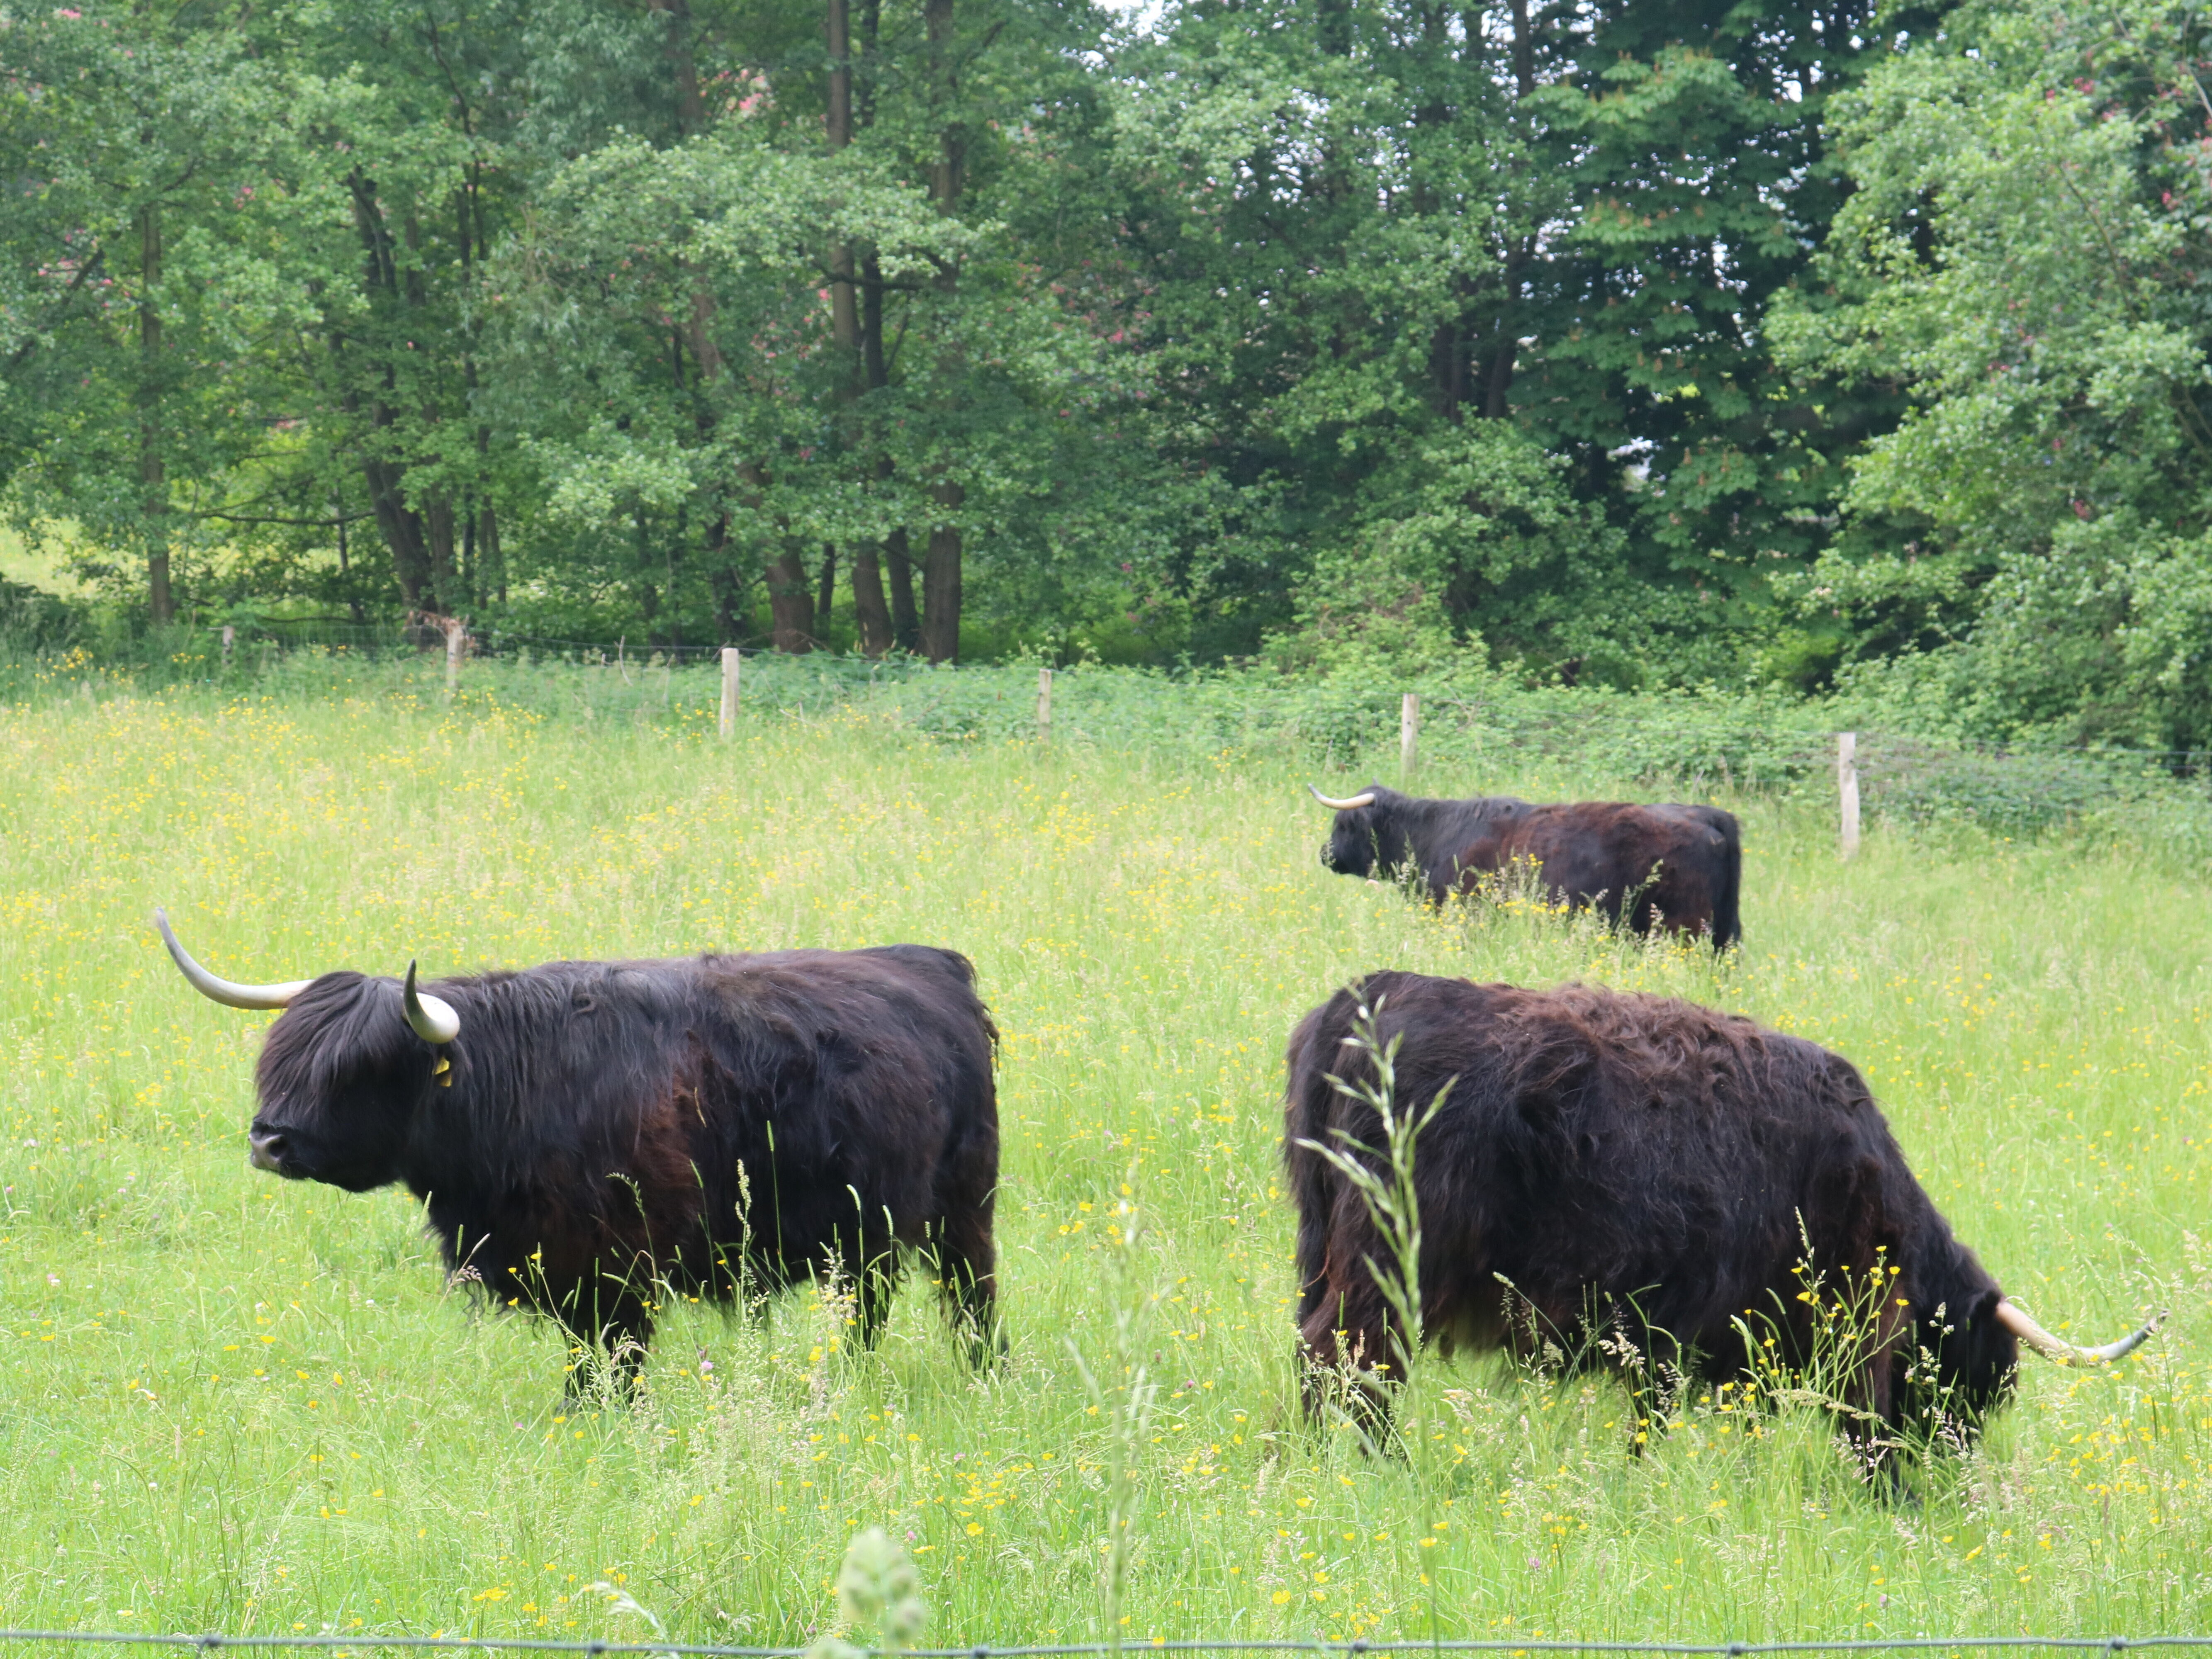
(1677, 867)
(1641, 1172)
(587, 1133)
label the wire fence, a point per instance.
(360, 1643)
(1687, 744)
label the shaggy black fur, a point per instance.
(1637, 1168)
(1591, 853)
(711, 1124)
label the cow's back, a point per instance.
(887, 1049)
(1606, 853)
(1592, 1143)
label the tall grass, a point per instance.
(236, 1403)
(1483, 727)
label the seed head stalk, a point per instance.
(1382, 1176)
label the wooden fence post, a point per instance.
(1847, 790)
(229, 639)
(1044, 705)
(729, 692)
(1409, 736)
(456, 636)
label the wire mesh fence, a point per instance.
(1688, 744)
(364, 1643)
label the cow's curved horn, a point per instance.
(1346, 804)
(226, 992)
(2014, 1318)
(432, 1018)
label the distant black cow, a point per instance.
(1679, 866)
(1646, 1173)
(586, 1133)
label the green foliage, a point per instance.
(2024, 255)
(1640, 345)
(141, 284)
(32, 621)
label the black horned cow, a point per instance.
(1677, 867)
(584, 1133)
(1612, 1173)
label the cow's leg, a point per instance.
(625, 1337)
(1350, 1355)
(606, 1346)
(875, 1283)
(967, 1278)
(608, 1317)
(1874, 1427)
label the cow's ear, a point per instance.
(1985, 1310)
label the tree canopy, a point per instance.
(1640, 343)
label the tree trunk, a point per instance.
(790, 605)
(940, 582)
(829, 582)
(881, 627)
(868, 608)
(648, 597)
(940, 572)
(844, 316)
(948, 178)
(154, 498)
(723, 580)
(353, 600)
(402, 530)
(493, 568)
(906, 625)
(1499, 381)
(412, 564)
(845, 322)
(683, 64)
(438, 535)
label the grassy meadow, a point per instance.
(239, 1404)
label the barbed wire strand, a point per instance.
(1354, 1646)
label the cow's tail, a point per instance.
(1727, 919)
(1306, 1117)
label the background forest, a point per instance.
(1626, 342)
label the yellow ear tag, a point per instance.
(443, 1071)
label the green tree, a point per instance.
(2024, 256)
(1360, 235)
(142, 299)
(800, 328)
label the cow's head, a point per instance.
(1975, 1332)
(1976, 1360)
(344, 1070)
(1369, 834)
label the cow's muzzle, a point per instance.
(270, 1148)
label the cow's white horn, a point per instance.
(2014, 1318)
(433, 1018)
(228, 993)
(1348, 803)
